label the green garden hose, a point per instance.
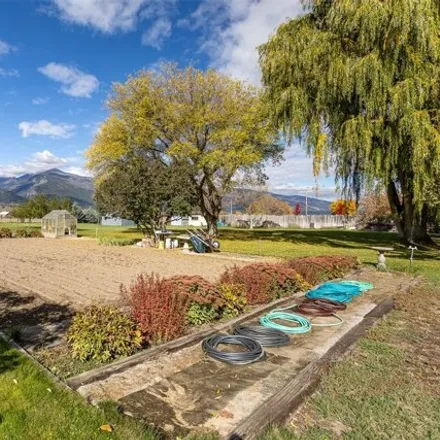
(303, 327)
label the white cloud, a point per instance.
(110, 16)
(38, 162)
(80, 171)
(40, 101)
(46, 128)
(234, 29)
(157, 33)
(75, 82)
(295, 176)
(9, 72)
(43, 161)
(107, 16)
(6, 48)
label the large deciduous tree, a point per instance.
(359, 82)
(146, 190)
(217, 125)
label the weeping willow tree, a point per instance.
(358, 81)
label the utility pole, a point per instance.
(307, 204)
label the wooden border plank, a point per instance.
(282, 404)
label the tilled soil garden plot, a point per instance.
(80, 272)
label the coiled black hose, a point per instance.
(267, 337)
(254, 350)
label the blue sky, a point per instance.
(58, 59)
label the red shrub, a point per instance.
(161, 306)
(158, 307)
(264, 282)
(317, 269)
(197, 289)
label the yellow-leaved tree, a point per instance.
(217, 125)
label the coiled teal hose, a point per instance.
(363, 286)
(293, 306)
(303, 327)
(335, 292)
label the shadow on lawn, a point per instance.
(337, 238)
(9, 359)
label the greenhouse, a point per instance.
(59, 224)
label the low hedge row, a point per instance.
(20, 233)
(162, 309)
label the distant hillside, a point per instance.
(315, 206)
(53, 183)
(8, 197)
(57, 183)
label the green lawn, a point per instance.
(33, 407)
(291, 243)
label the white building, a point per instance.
(192, 220)
(108, 220)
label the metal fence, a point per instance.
(288, 221)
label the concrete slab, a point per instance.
(185, 391)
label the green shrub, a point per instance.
(35, 233)
(112, 241)
(199, 314)
(21, 233)
(5, 233)
(234, 299)
(103, 333)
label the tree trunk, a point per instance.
(210, 204)
(415, 227)
(211, 221)
(411, 226)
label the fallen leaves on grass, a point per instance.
(106, 428)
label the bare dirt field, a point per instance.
(80, 272)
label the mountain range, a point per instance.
(53, 183)
(57, 183)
